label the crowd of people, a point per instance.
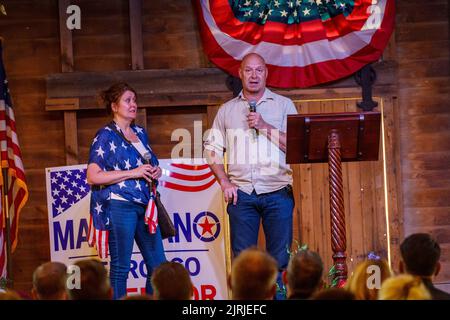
(253, 276)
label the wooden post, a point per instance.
(65, 38)
(67, 65)
(137, 51)
(137, 55)
(71, 137)
(338, 236)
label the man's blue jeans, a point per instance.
(275, 211)
(127, 225)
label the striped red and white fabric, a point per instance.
(151, 213)
(187, 177)
(99, 239)
(11, 162)
(304, 43)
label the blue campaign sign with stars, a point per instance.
(67, 188)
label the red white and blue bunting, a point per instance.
(304, 42)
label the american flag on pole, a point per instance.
(11, 160)
(304, 42)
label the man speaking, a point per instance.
(251, 128)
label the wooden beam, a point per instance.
(191, 87)
(137, 54)
(89, 84)
(71, 137)
(165, 81)
(144, 101)
(67, 66)
(65, 38)
(62, 104)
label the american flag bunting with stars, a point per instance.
(304, 42)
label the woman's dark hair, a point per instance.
(113, 94)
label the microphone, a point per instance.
(252, 105)
(147, 157)
(252, 108)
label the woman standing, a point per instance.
(122, 170)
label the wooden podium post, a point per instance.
(334, 138)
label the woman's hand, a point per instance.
(145, 171)
(156, 172)
(96, 176)
(148, 172)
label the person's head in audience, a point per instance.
(303, 275)
(253, 275)
(366, 280)
(420, 255)
(404, 287)
(49, 281)
(94, 281)
(171, 281)
(333, 294)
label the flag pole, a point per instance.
(7, 237)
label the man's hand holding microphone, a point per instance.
(254, 119)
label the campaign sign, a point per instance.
(193, 199)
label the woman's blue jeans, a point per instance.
(127, 225)
(275, 211)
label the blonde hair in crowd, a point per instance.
(404, 287)
(358, 283)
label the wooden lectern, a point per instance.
(333, 138)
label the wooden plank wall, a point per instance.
(171, 41)
(422, 40)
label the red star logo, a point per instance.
(206, 226)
